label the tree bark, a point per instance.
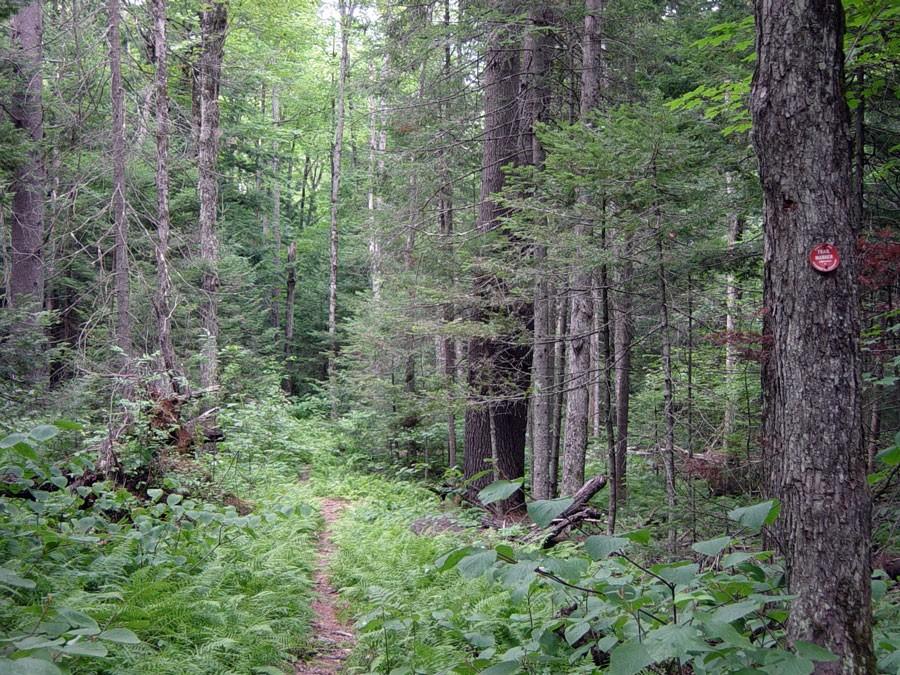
(336, 149)
(578, 356)
(26, 284)
(559, 392)
(287, 383)
(668, 410)
(498, 368)
(213, 22)
(622, 353)
(811, 379)
(537, 50)
(606, 389)
(732, 295)
(162, 302)
(276, 208)
(122, 279)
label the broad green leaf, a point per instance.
(85, 648)
(154, 493)
(638, 536)
(545, 510)
(814, 652)
(10, 578)
(600, 546)
(889, 456)
(173, 499)
(629, 658)
(67, 425)
(480, 640)
(736, 558)
(503, 668)
(791, 664)
(499, 490)
(43, 432)
(678, 573)
(450, 559)
(735, 611)
(574, 632)
(28, 666)
(712, 547)
(77, 619)
(475, 564)
(122, 636)
(37, 642)
(11, 440)
(754, 517)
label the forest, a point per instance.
(450, 337)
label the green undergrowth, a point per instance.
(492, 602)
(167, 580)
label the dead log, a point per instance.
(577, 512)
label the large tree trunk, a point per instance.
(213, 21)
(498, 368)
(336, 149)
(161, 303)
(448, 342)
(537, 49)
(622, 352)
(122, 281)
(578, 357)
(26, 284)
(811, 378)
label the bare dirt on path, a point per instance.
(333, 639)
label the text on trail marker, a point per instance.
(824, 257)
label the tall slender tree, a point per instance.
(537, 52)
(213, 23)
(578, 358)
(812, 397)
(26, 285)
(117, 95)
(162, 299)
(345, 16)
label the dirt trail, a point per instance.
(333, 639)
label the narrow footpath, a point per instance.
(333, 639)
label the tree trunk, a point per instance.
(335, 192)
(122, 280)
(446, 228)
(668, 410)
(811, 378)
(276, 208)
(372, 197)
(732, 295)
(498, 368)
(606, 389)
(537, 49)
(622, 352)
(26, 284)
(559, 391)
(287, 383)
(213, 21)
(578, 357)
(161, 304)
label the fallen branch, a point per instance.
(578, 511)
